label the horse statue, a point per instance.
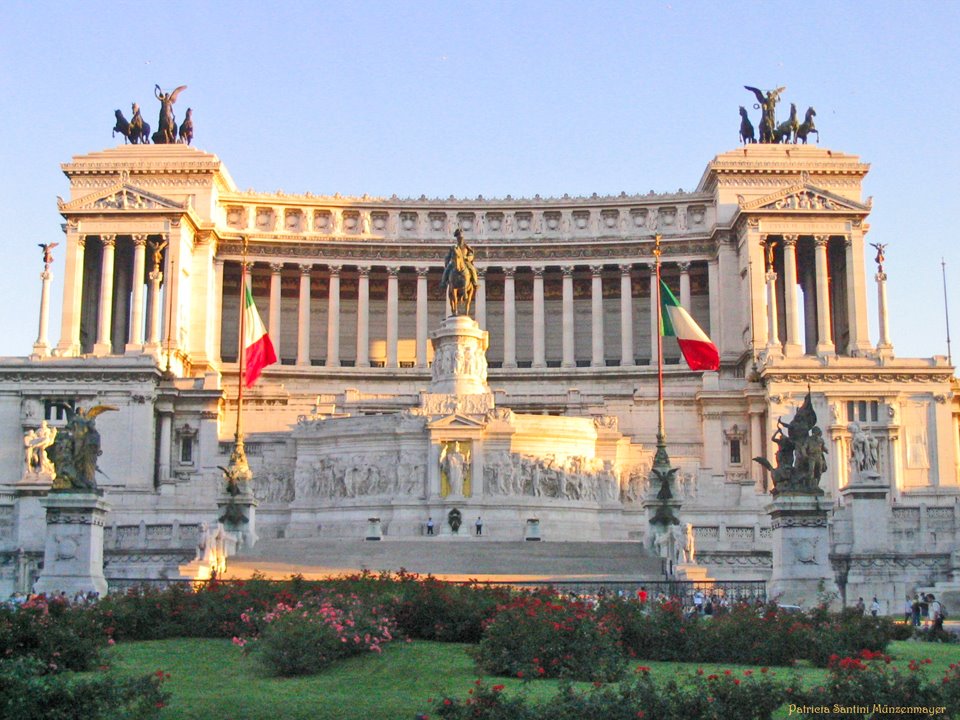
(186, 128)
(787, 131)
(460, 287)
(121, 126)
(139, 130)
(746, 127)
(807, 127)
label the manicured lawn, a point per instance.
(211, 679)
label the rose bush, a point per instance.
(60, 636)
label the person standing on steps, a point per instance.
(430, 526)
(479, 525)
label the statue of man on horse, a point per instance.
(460, 278)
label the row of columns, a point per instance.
(141, 306)
(598, 358)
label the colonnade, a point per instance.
(506, 279)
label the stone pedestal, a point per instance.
(238, 513)
(801, 549)
(459, 357)
(374, 529)
(869, 510)
(73, 553)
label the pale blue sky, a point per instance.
(491, 98)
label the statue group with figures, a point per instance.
(74, 450)
(137, 131)
(789, 131)
(801, 453)
(460, 279)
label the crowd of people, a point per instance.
(18, 599)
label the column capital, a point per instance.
(82, 240)
(481, 273)
(218, 263)
(45, 275)
(625, 269)
(393, 272)
(847, 241)
(567, 271)
(596, 270)
(821, 240)
(139, 240)
(422, 271)
(108, 240)
(334, 270)
(684, 266)
(771, 276)
(306, 268)
(880, 277)
(790, 240)
(538, 272)
(509, 272)
(276, 267)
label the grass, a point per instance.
(212, 679)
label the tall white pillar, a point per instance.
(363, 316)
(41, 348)
(569, 360)
(137, 298)
(825, 344)
(793, 347)
(155, 309)
(509, 319)
(856, 293)
(217, 309)
(754, 246)
(773, 329)
(654, 316)
(685, 286)
(713, 295)
(393, 316)
(756, 447)
(422, 316)
(166, 438)
(481, 298)
(539, 349)
(275, 300)
(333, 318)
(303, 316)
(885, 347)
(596, 298)
(626, 316)
(104, 345)
(72, 292)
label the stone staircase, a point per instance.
(452, 558)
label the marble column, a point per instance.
(856, 293)
(155, 309)
(41, 348)
(363, 316)
(626, 316)
(825, 344)
(217, 309)
(654, 316)
(884, 346)
(756, 447)
(569, 359)
(509, 319)
(333, 318)
(793, 347)
(137, 298)
(72, 292)
(303, 317)
(539, 349)
(166, 438)
(481, 298)
(275, 303)
(773, 329)
(713, 297)
(685, 286)
(596, 303)
(422, 316)
(393, 316)
(104, 317)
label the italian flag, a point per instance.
(258, 351)
(698, 351)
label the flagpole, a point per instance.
(946, 309)
(237, 474)
(661, 434)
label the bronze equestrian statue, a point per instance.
(787, 131)
(460, 276)
(807, 126)
(768, 106)
(746, 128)
(186, 128)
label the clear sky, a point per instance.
(492, 98)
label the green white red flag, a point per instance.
(699, 352)
(258, 351)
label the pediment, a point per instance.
(456, 421)
(121, 196)
(803, 197)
